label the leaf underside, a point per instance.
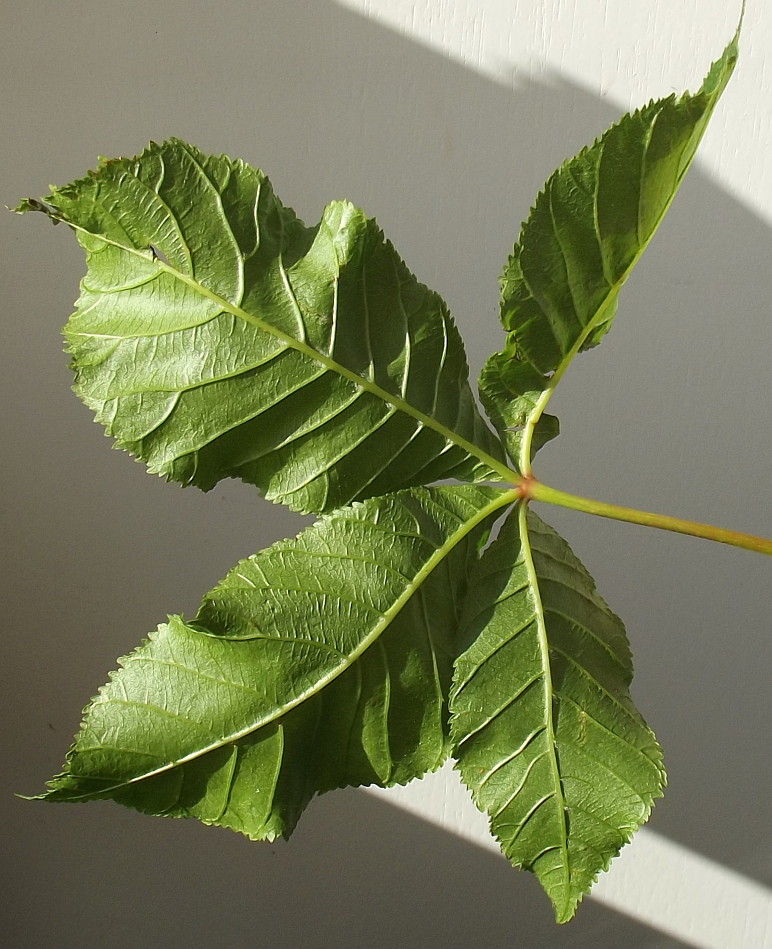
(321, 662)
(545, 734)
(217, 336)
(586, 231)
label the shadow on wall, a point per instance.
(358, 873)
(331, 105)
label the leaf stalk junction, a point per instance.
(530, 489)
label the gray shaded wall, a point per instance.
(672, 413)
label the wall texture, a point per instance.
(442, 119)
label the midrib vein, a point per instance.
(544, 649)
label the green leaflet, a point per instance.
(217, 336)
(586, 231)
(320, 662)
(545, 733)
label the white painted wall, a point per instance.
(443, 119)
(626, 53)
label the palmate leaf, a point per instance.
(217, 336)
(545, 733)
(586, 231)
(320, 662)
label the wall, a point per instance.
(442, 119)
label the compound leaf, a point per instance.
(217, 336)
(545, 733)
(321, 662)
(586, 231)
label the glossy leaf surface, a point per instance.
(546, 736)
(320, 662)
(586, 231)
(217, 336)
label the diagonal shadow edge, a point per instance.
(654, 880)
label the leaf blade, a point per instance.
(586, 231)
(217, 336)
(320, 662)
(545, 734)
